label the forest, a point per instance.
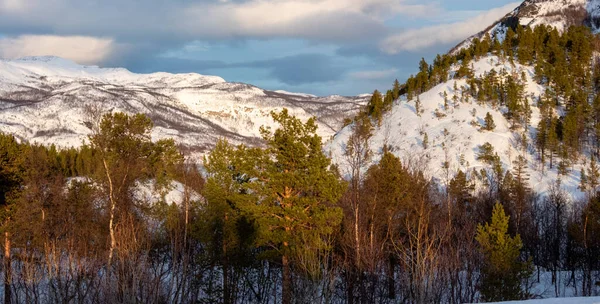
(280, 223)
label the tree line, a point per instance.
(275, 224)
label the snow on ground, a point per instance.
(175, 194)
(22, 70)
(296, 94)
(146, 192)
(590, 300)
(454, 137)
(551, 12)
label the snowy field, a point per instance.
(590, 300)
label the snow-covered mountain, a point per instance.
(49, 100)
(557, 13)
(456, 135)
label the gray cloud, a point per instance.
(374, 74)
(421, 38)
(301, 69)
(179, 19)
(85, 50)
(291, 70)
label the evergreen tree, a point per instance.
(11, 175)
(486, 154)
(503, 273)
(460, 189)
(590, 178)
(228, 233)
(388, 101)
(298, 190)
(396, 90)
(445, 101)
(375, 106)
(489, 124)
(525, 45)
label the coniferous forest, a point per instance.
(281, 223)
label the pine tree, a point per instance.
(425, 141)
(298, 189)
(418, 106)
(489, 124)
(503, 273)
(590, 178)
(228, 234)
(445, 101)
(396, 89)
(388, 190)
(486, 154)
(11, 175)
(375, 106)
(460, 188)
(388, 101)
(526, 42)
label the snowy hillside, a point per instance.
(591, 300)
(557, 13)
(456, 138)
(49, 100)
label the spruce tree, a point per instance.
(503, 272)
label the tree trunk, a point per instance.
(286, 287)
(391, 284)
(226, 291)
(350, 287)
(7, 270)
(356, 234)
(111, 223)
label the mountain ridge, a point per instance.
(45, 100)
(556, 13)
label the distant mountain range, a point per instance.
(49, 100)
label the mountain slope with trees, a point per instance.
(538, 87)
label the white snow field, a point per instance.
(590, 300)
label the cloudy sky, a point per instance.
(315, 46)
